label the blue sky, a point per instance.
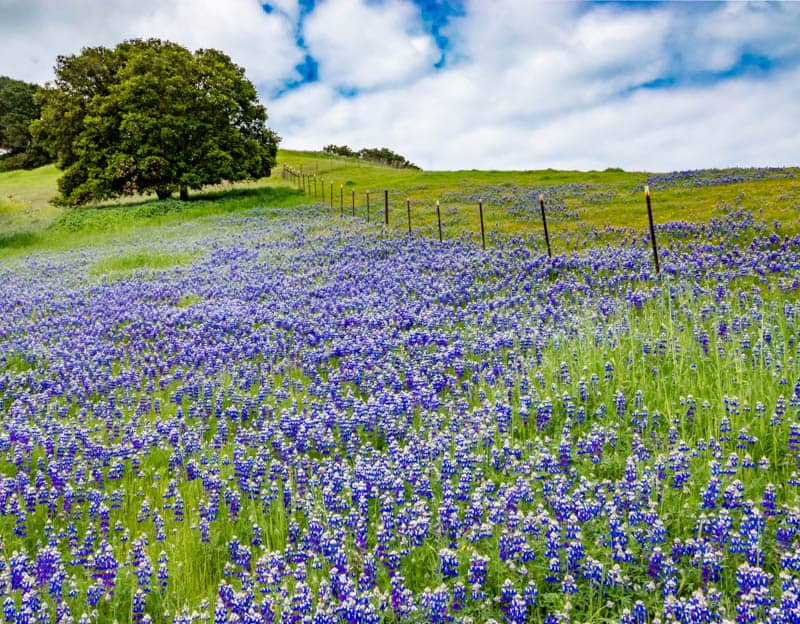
(435, 17)
(479, 83)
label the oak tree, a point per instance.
(18, 108)
(150, 116)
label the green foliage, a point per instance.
(18, 240)
(18, 108)
(387, 157)
(150, 116)
(339, 150)
(115, 219)
(382, 155)
(140, 260)
(96, 225)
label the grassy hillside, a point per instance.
(600, 199)
(24, 199)
(584, 208)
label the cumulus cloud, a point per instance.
(537, 85)
(34, 32)
(367, 46)
(290, 8)
(655, 130)
(766, 29)
(525, 84)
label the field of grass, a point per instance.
(597, 199)
(246, 408)
(609, 204)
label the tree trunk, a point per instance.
(184, 194)
(162, 193)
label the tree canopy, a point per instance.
(150, 116)
(381, 155)
(18, 108)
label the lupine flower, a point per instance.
(449, 563)
(163, 571)
(286, 388)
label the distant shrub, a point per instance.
(339, 150)
(380, 155)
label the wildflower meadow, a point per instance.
(283, 415)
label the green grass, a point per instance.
(97, 224)
(610, 198)
(140, 260)
(665, 380)
(668, 381)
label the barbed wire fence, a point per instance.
(314, 186)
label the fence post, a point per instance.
(439, 220)
(386, 207)
(353, 191)
(483, 232)
(652, 228)
(315, 187)
(367, 206)
(544, 224)
(408, 210)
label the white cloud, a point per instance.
(34, 32)
(527, 84)
(290, 8)
(538, 85)
(723, 125)
(365, 46)
(294, 110)
(717, 41)
(453, 120)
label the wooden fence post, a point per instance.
(544, 224)
(353, 191)
(483, 232)
(439, 220)
(408, 210)
(652, 228)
